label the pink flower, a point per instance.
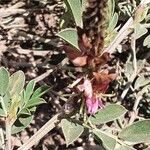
(92, 104)
(93, 89)
(91, 100)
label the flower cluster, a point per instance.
(94, 88)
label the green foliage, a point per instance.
(107, 114)
(113, 22)
(141, 81)
(108, 141)
(110, 113)
(137, 132)
(140, 30)
(70, 35)
(76, 8)
(71, 130)
(4, 81)
(147, 148)
(111, 8)
(16, 103)
(21, 123)
(16, 83)
(147, 41)
(125, 147)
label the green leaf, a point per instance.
(70, 35)
(25, 111)
(108, 141)
(32, 109)
(125, 147)
(35, 102)
(83, 5)
(137, 132)
(107, 114)
(2, 112)
(16, 84)
(141, 81)
(4, 81)
(147, 148)
(7, 100)
(29, 90)
(39, 92)
(13, 109)
(71, 130)
(147, 41)
(21, 123)
(67, 18)
(129, 69)
(140, 30)
(146, 89)
(76, 8)
(140, 14)
(113, 22)
(111, 8)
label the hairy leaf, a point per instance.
(108, 141)
(4, 81)
(107, 114)
(137, 132)
(16, 84)
(71, 130)
(70, 35)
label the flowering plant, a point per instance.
(107, 93)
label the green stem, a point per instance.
(8, 134)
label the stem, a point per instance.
(2, 139)
(119, 122)
(133, 46)
(135, 107)
(8, 134)
(125, 30)
(3, 105)
(41, 133)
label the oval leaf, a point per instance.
(71, 130)
(70, 35)
(39, 92)
(108, 142)
(2, 112)
(29, 90)
(107, 114)
(141, 81)
(140, 30)
(4, 81)
(113, 22)
(21, 123)
(125, 147)
(16, 83)
(76, 8)
(111, 8)
(147, 41)
(24, 111)
(35, 102)
(137, 132)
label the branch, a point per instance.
(41, 133)
(124, 32)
